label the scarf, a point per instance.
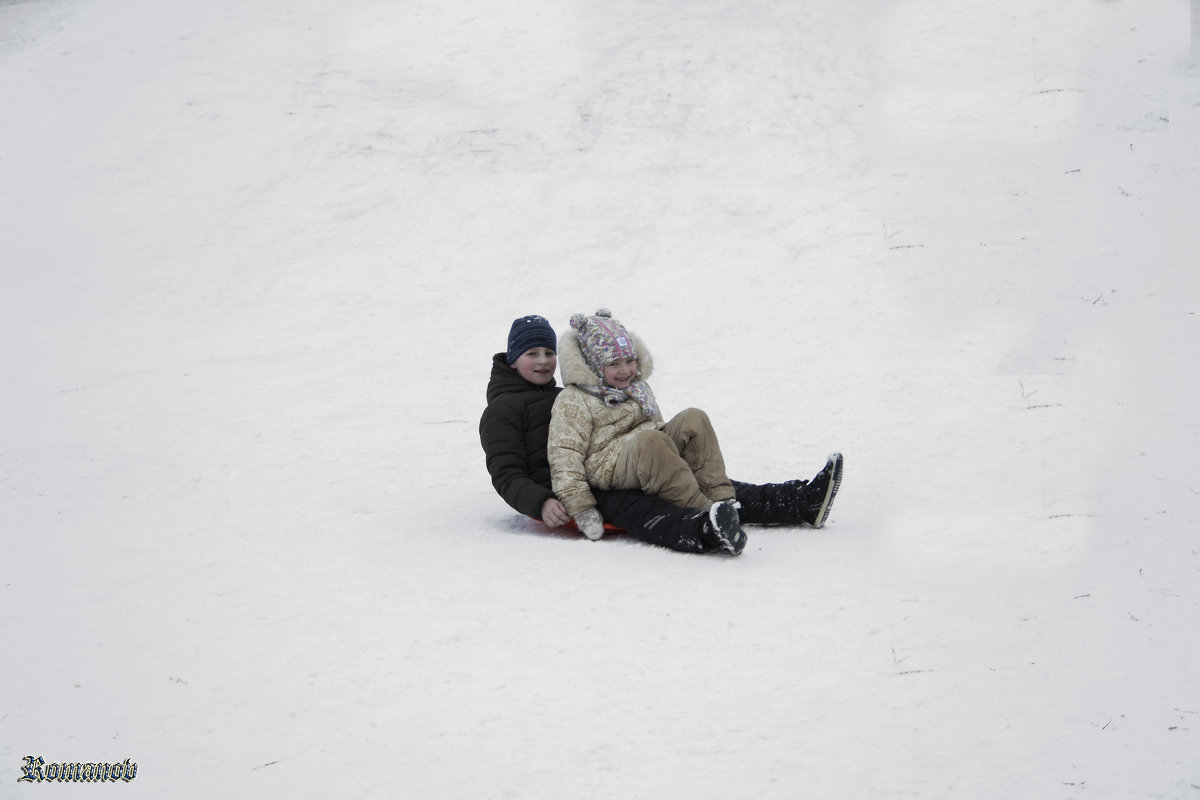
(638, 391)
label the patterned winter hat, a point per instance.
(602, 339)
(527, 333)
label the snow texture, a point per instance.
(257, 256)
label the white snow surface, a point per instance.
(257, 257)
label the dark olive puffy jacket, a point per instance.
(513, 432)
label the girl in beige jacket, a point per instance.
(607, 431)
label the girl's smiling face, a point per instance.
(622, 372)
(536, 365)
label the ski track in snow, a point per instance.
(257, 258)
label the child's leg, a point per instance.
(650, 461)
(693, 434)
(655, 521)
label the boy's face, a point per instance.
(620, 373)
(536, 365)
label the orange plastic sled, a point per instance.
(571, 529)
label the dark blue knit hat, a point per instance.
(527, 333)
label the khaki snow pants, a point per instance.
(681, 463)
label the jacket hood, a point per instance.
(573, 366)
(505, 380)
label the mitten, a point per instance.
(590, 523)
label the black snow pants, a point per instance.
(655, 521)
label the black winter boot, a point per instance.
(769, 503)
(723, 530)
(792, 502)
(816, 499)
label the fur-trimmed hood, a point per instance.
(574, 368)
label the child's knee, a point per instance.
(689, 424)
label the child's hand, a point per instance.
(553, 513)
(590, 523)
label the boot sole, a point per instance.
(823, 513)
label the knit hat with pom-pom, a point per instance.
(602, 339)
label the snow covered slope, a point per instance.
(257, 256)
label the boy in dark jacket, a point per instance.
(514, 429)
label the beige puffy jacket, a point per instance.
(586, 433)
